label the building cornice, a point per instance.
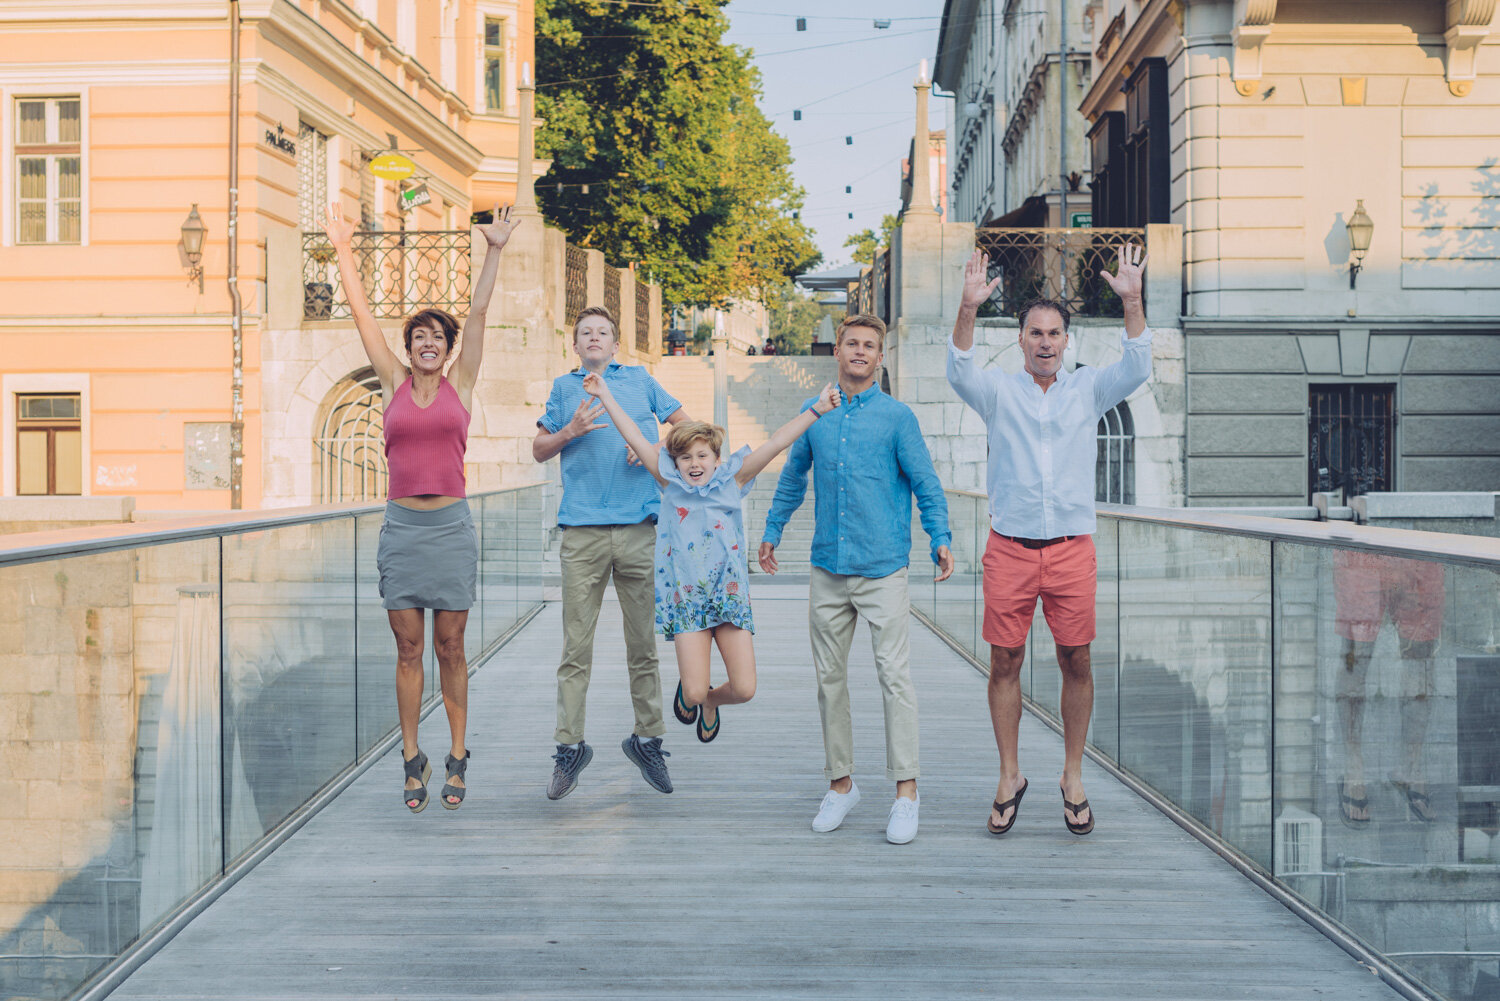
(288, 27)
(1157, 23)
(955, 36)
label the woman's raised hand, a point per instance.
(497, 231)
(340, 230)
(827, 400)
(593, 384)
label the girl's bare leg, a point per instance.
(737, 648)
(693, 650)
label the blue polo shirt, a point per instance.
(867, 459)
(598, 487)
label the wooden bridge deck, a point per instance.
(721, 889)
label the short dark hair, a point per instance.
(1041, 303)
(440, 318)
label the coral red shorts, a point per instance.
(1370, 587)
(1064, 575)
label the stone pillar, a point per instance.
(627, 317)
(526, 147)
(921, 168)
(721, 371)
(595, 284)
(657, 333)
(1164, 275)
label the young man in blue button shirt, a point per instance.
(1041, 424)
(868, 459)
(608, 517)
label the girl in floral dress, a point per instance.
(702, 587)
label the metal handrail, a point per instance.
(1474, 550)
(33, 547)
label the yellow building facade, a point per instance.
(116, 369)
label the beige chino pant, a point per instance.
(835, 603)
(590, 554)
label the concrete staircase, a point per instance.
(764, 393)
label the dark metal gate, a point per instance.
(1350, 438)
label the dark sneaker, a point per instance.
(570, 761)
(648, 757)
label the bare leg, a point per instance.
(1350, 696)
(408, 625)
(453, 670)
(1416, 710)
(737, 648)
(693, 652)
(1077, 707)
(1005, 715)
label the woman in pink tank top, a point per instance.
(429, 550)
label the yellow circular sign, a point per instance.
(392, 167)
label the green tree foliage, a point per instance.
(647, 106)
(866, 242)
(795, 317)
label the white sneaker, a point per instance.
(902, 825)
(834, 808)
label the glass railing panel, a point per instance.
(536, 515)
(474, 628)
(1388, 755)
(500, 563)
(109, 755)
(289, 692)
(954, 607)
(374, 645)
(1045, 675)
(1104, 652)
(1195, 678)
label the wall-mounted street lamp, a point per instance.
(193, 233)
(1360, 227)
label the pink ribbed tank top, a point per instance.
(424, 447)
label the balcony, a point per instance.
(402, 271)
(183, 700)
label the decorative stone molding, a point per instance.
(1252, 26)
(1468, 25)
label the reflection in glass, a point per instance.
(289, 676)
(1195, 675)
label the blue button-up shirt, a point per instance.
(868, 458)
(1044, 445)
(598, 487)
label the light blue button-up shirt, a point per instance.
(868, 458)
(1043, 445)
(598, 487)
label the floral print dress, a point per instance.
(701, 579)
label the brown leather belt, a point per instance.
(1038, 543)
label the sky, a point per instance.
(849, 79)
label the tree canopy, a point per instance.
(866, 242)
(659, 148)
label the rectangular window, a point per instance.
(49, 175)
(494, 64)
(312, 177)
(1350, 436)
(1146, 147)
(49, 444)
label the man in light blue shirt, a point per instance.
(868, 459)
(1042, 440)
(608, 518)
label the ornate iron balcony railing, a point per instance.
(1061, 264)
(402, 273)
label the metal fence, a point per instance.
(1061, 264)
(575, 281)
(612, 291)
(642, 316)
(862, 293)
(881, 285)
(402, 273)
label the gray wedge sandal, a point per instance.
(456, 767)
(418, 768)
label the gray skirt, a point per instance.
(428, 559)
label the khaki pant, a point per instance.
(590, 553)
(835, 603)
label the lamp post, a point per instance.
(193, 234)
(1361, 227)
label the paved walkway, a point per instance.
(721, 889)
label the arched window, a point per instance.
(351, 452)
(1114, 469)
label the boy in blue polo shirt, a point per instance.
(608, 517)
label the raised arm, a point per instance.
(976, 292)
(387, 365)
(1128, 282)
(786, 434)
(465, 370)
(594, 385)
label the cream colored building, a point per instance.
(116, 367)
(1262, 127)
